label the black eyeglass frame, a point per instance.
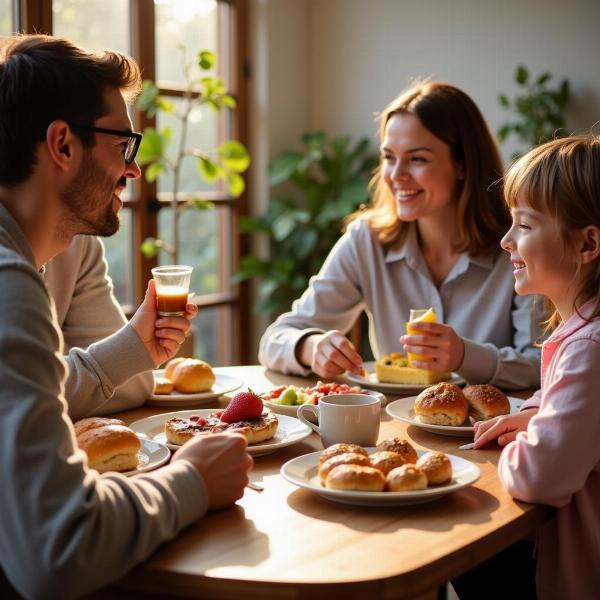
(133, 145)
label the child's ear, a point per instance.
(590, 246)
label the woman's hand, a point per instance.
(503, 429)
(161, 336)
(437, 341)
(329, 354)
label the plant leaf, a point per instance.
(208, 170)
(229, 101)
(282, 167)
(522, 75)
(283, 226)
(235, 184)
(151, 148)
(234, 156)
(504, 101)
(202, 204)
(206, 59)
(149, 247)
(153, 170)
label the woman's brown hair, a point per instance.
(562, 179)
(449, 114)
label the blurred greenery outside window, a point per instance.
(206, 238)
(6, 17)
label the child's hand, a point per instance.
(503, 429)
(439, 342)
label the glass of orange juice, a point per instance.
(423, 315)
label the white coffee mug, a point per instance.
(351, 418)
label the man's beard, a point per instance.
(88, 200)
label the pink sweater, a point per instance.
(557, 461)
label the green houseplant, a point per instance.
(226, 162)
(538, 109)
(316, 189)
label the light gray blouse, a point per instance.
(477, 299)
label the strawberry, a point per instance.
(244, 406)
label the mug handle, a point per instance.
(310, 408)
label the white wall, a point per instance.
(332, 64)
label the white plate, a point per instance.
(223, 385)
(403, 410)
(303, 472)
(370, 381)
(292, 410)
(151, 455)
(290, 430)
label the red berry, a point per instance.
(245, 406)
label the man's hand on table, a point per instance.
(223, 462)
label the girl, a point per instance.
(554, 243)
(431, 238)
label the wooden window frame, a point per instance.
(35, 16)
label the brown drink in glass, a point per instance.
(172, 287)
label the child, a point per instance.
(552, 449)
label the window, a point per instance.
(152, 31)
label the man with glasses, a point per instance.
(64, 529)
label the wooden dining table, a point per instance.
(286, 542)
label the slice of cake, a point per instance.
(394, 368)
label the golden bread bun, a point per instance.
(406, 478)
(348, 458)
(442, 404)
(385, 461)
(437, 467)
(486, 402)
(341, 448)
(170, 366)
(109, 446)
(399, 446)
(162, 385)
(192, 376)
(355, 478)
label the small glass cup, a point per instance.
(172, 287)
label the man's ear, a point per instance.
(61, 144)
(590, 243)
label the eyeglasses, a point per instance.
(133, 139)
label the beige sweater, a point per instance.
(64, 529)
(87, 311)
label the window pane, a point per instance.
(6, 17)
(202, 134)
(94, 24)
(192, 23)
(119, 253)
(199, 247)
(212, 335)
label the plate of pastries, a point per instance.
(112, 446)
(393, 373)
(447, 409)
(189, 382)
(265, 431)
(391, 474)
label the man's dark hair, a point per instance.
(42, 79)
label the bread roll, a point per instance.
(437, 467)
(109, 446)
(442, 404)
(355, 478)
(162, 385)
(342, 448)
(486, 402)
(406, 478)
(385, 461)
(348, 458)
(192, 376)
(399, 446)
(170, 366)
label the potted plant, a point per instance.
(538, 109)
(225, 163)
(315, 190)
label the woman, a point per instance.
(430, 239)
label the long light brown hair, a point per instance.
(449, 114)
(562, 179)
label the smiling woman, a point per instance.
(430, 238)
